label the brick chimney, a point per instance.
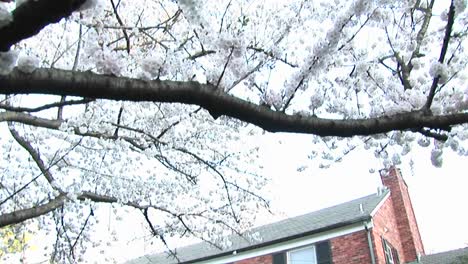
(406, 221)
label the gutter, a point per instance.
(369, 241)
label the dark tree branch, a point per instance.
(225, 66)
(422, 32)
(155, 232)
(117, 16)
(443, 52)
(46, 106)
(32, 16)
(19, 190)
(35, 156)
(119, 119)
(38, 210)
(220, 175)
(217, 102)
(435, 135)
(33, 212)
(91, 213)
(201, 54)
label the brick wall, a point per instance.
(351, 249)
(407, 226)
(385, 225)
(268, 259)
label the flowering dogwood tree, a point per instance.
(150, 104)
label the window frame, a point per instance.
(288, 253)
(390, 253)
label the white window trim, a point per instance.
(288, 258)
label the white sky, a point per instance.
(439, 195)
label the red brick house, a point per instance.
(377, 229)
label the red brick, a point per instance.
(400, 227)
(351, 248)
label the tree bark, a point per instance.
(32, 16)
(216, 101)
(36, 211)
(33, 212)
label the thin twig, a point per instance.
(117, 16)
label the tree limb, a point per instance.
(35, 211)
(32, 16)
(217, 102)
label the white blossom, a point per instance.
(7, 61)
(152, 67)
(191, 10)
(438, 69)
(436, 157)
(109, 64)
(424, 142)
(460, 6)
(89, 4)
(27, 63)
(5, 16)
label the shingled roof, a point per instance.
(457, 256)
(341, 215)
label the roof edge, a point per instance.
(362, 219)
(380, 204)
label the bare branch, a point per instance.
(46, 106)
(443, 52)
(155, 232)
(35, 156)
(117, 16)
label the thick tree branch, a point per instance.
(29, 213)
(217, 102)
(29, 120)
(32, 16)
(36, 211)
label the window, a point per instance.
(391, 254)
(302, 256)
(319, 253)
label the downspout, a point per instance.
(369, 240)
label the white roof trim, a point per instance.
(380, 204)
(295, 243)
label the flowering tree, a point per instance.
(150, 104)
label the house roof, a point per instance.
(341, 215)
(457, 256)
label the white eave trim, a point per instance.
(295, 243)
(384, 199)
